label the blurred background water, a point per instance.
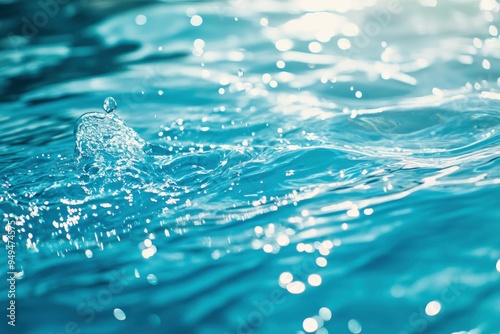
(274, 166)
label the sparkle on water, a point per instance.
(433, 308)
(320, 167)
(354, 326)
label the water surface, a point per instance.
(272, 166)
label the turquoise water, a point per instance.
(271, 167)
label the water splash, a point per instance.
(99, 137)
(112, 155)
(105, 139)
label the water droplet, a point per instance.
(241, 72)
(325, 313)
(119, 314)
(354, 326)
(152, 279)
(109, 105)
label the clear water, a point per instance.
(271, 167)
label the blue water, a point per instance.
(272, 166)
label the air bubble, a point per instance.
(109, 105)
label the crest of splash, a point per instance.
(112, 155)
(105, 136)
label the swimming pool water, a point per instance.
(271, 166)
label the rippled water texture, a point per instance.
(271, 167)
